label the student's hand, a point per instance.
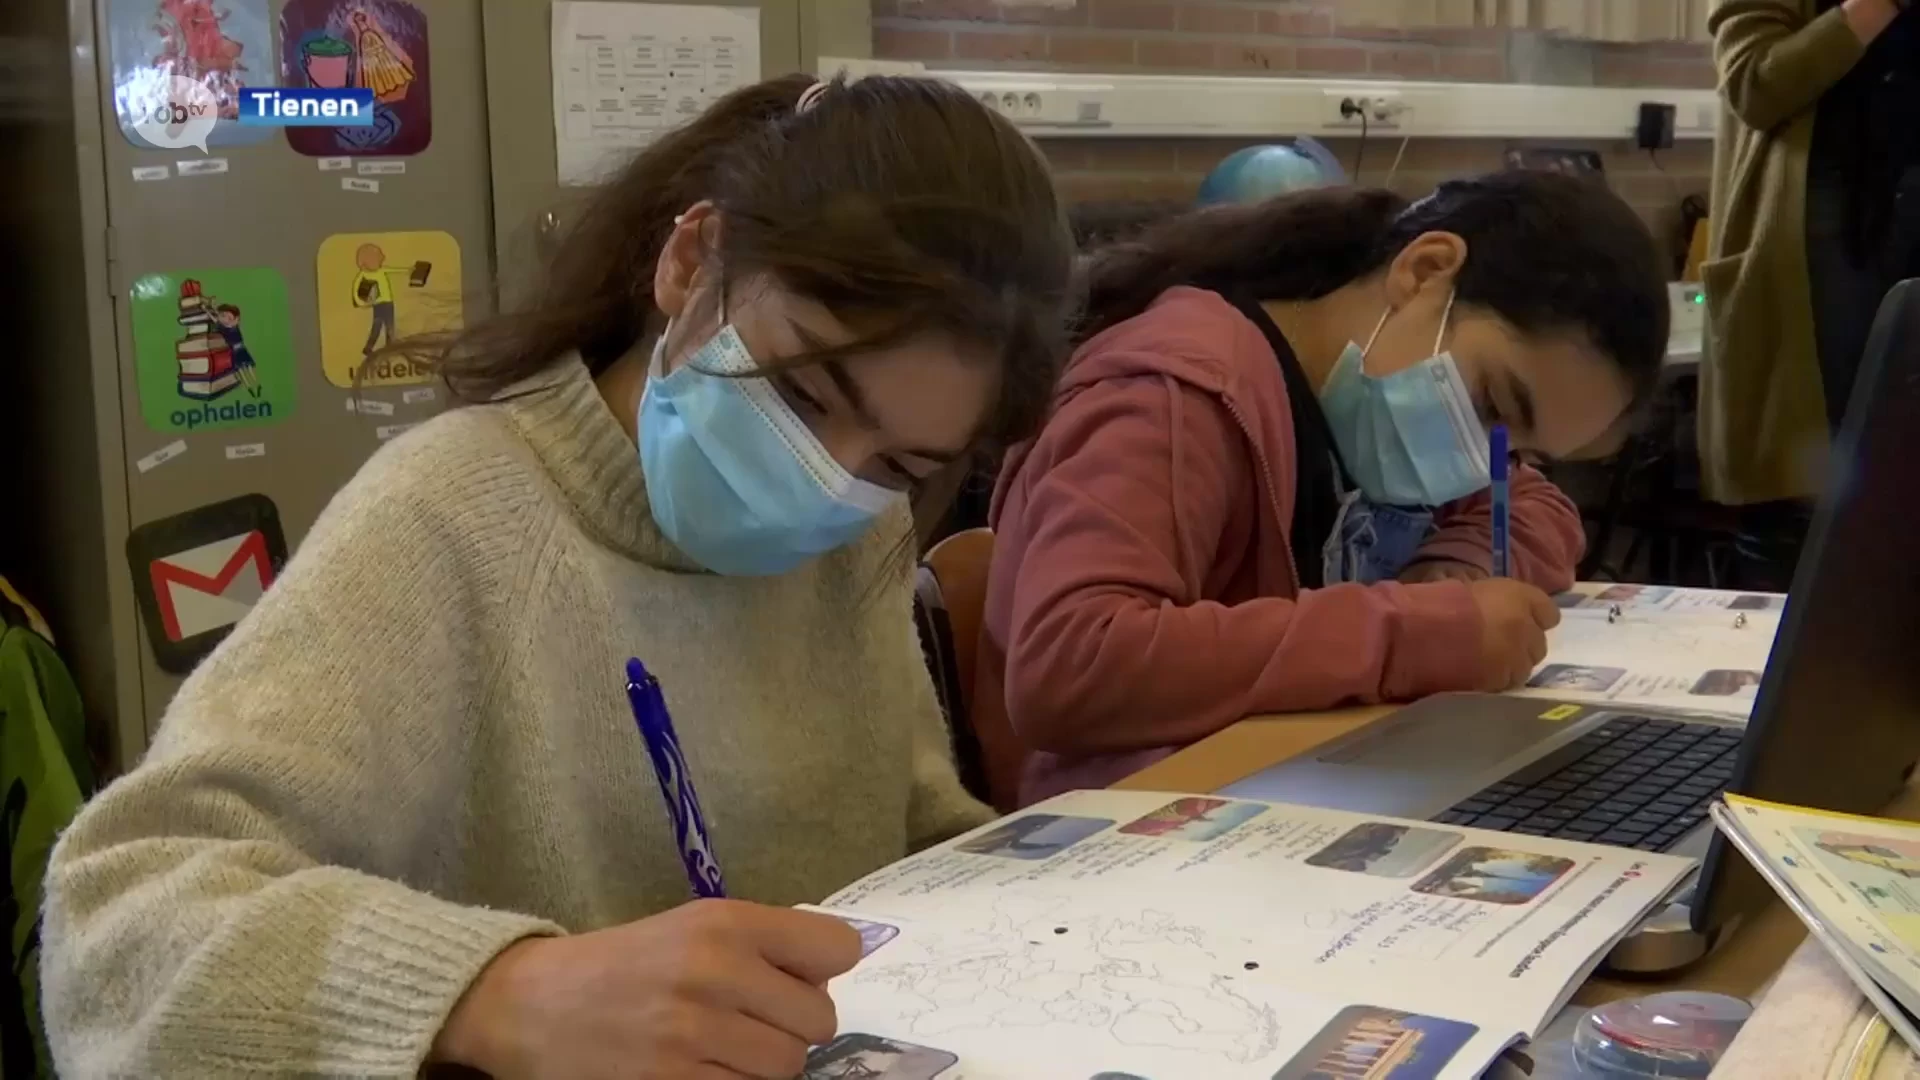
(1514, 620)
(714, 990)
(1441, 570)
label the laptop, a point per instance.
(1835, 723)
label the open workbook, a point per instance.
(1136, 936)
(1855, 882)
(1650, 645)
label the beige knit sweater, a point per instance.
(417, 749)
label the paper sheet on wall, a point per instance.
(624, 73)
(1648, 645)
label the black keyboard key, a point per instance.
(1452, 817)
(1496, 822)
(1649, 844)
(1621, 837)
(1528, 830)
(1525, 804)
(1671, 806)
(1502, 789)
(1576, 834)
(1607, 814)
(1589, 824)
(1475, 806)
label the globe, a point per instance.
(1261, 172)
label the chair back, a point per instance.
(950, 604)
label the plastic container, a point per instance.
(1673, 1036)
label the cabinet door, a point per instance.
(529, 202)
(248, 279)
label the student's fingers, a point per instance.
(1546, 614)
(1536, 651)
(770, 996)
(808, 945)
(747, 1047)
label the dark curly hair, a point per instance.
(1546, 252)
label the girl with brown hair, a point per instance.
(1262, 489)
(403, 816)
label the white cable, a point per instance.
(1398, 154)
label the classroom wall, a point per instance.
(1291, 38)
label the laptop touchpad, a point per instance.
(1414, 762)
(1425, 739)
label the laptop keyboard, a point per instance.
(1636, 781)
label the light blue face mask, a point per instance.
(735, 479)
(1411, 438)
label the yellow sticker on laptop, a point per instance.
(1561, 712)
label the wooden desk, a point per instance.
(1741, 966)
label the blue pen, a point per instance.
(670, 768)
(1497, 465)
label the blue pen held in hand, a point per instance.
(1497, 464)
(676, 787)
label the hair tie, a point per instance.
(810, 97)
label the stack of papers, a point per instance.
(1137, 936)
(1648, 645)
(1855, 882)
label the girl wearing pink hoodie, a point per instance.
(1263, 486)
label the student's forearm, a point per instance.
(1869, 17)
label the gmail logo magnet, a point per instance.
(195, 574)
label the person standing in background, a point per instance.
(1814, 217)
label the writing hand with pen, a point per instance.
(711, 990)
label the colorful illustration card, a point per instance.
(1578, 678)
(1384, 849)
(222, 44)
(872, 934)
(1380, 1044)
(869, 1057)
(379, 288)
(213, 349)
(1495, 876)
(377, 45)
(1035, 836)
(1194, 818)
(197, 574)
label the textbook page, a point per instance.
(1696, 649)
(1140, 935)
(1857, 877)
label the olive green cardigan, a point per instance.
(1763, 419)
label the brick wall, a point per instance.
(1294, 38)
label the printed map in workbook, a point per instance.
(1119, 935)
(1650, 645)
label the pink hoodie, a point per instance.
(1143, 594)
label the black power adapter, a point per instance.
(1654, 131)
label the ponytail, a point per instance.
(1296, 246)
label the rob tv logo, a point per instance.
(277, 106)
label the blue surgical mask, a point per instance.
(735, 479)
(1411, 438)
